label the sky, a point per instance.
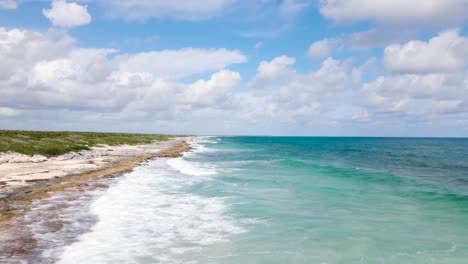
(236, 67)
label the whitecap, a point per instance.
(191, 167)
(149, 217)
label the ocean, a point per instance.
(276, 200)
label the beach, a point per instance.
(17, 170)
(25, 180)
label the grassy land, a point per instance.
(57, 143)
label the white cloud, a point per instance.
(419, 12)
(167, 99)
(378, 37)
(333, 96)
(180, 63)
(66, 14)
(8, 4)
(201, 9)
(323, 48)
(42, 72)
(297, 98)
(319, 49)
(428, 82)
(9, 112)
(47, 71)
(272, 17)
(175, 9)
(293, 7)
(447, 52)
(276, 68)
(418, 96)
(259, 45)
(211, 91)
(20, 48)
(392, 21)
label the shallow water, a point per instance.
(274, 200)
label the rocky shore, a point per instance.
(18, 170)
(26, 178)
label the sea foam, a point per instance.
(191, 168)
(148, 217)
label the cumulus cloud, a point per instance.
(418, 12)
(47, 71)
(423, 83)
(298, 98)
(66, 14)
(8, 4)
(446, 52)
(319, 49)
(419, 96)
(42, 72)
(276, 68)
(324, 48)
(169, 99)
(210, 92)
(428, 81)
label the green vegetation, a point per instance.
(57, 143)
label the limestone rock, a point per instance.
(13, 157)
(38, 158)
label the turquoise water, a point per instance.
(342, 200)
(287, 200)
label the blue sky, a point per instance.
(275, 67)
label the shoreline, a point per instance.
(16, 200)
(19, 170)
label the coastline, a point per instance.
(19, 170)
(16, 199)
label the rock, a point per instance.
(18, 158)
(38, 158)
(67, 156)
(84, 155)
(100, 185)
(87, 154)
(91, 154)
(3, 158)
(35, 180)
(13, 157)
